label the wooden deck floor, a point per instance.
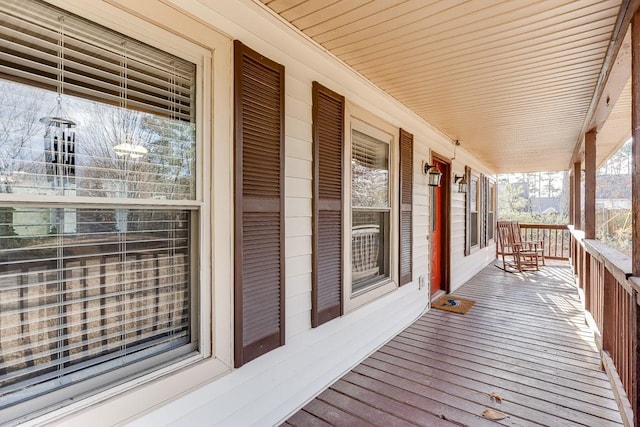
(525, 340)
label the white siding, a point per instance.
(421, 210)
(298, 165)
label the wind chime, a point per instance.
(59, 147)
(59, 134)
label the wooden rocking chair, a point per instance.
(528, 245)
(515, 256)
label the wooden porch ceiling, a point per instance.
(524, 340)
(514, 81)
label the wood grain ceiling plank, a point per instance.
(582, 65)
(477, 34)
(477, 117)
(519, 114)
(445, 54)
(487, 35)
(495, 95)
(328, 13)
(506, 105)
(575, 67)
(504, 101)
(475, 56)
(534, 120)
(390, 32)
(367, 22)
(450, 88)
(495, 121)
(350, 18)
(484, 89)
(280, 6)
(305, 8)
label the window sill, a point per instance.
(123, 403)
(365, 296)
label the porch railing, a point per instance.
(555, 237)
(610, 298)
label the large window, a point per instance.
(370, 207)
(99, 208)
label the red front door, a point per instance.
(438, 218)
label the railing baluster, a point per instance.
(553, 246)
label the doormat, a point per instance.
(454, 304)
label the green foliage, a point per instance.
(529, 218)
(511, 201)
(614, 228)
(513, 206)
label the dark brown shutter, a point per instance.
(467, 212)
(406, 203)
(259, 204)
(328, 137)
(483, 211)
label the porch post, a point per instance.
(635, 210)
(635, 151)
(571, 190)
(577, 174)
(572, 245)
(590, 184)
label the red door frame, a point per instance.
(445, 214)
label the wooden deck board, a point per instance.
(371, 415)
(525, 340)
(504, 344)
(406, 411)
(303, 418)
(548, 336)
(498, 357)
(506, 339)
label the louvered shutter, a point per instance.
(467, 213)
(484, 211)
(328, 137)
(259, 204)
(406, 202)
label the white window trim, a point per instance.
(214, 325)
(368, 123)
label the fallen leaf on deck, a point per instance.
(495, 397)
(492, 414)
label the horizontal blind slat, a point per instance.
(155, 82)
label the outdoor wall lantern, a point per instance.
(433, 173)
(462, 183)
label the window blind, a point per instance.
(47, 47)
(89, 301)
(370, 171)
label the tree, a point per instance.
(511, 200)
(19, 123)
